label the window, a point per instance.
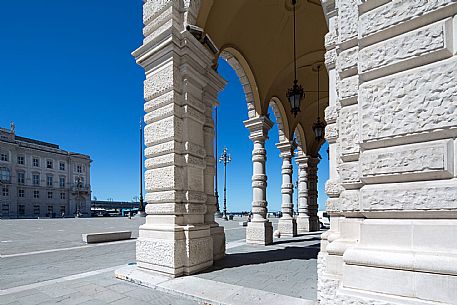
(49, 181)
(49, 195)
(4, 174)
(62, 166)
(20, 178)
(62, 210)
(79, 169)
(36, 179)
(62, 182)
(62, 195)
(36, 209)
(36, 194)
(49, 164)
(20, 160)
(5, 209)
(21, 193)
(50, 210)
(5, 191)
(21, 210)
(36, 162)
(4, 157)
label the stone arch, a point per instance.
(238, 62)
(281, 119)
(300, 138)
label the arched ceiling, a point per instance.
(262, 32)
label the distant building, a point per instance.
(38, 179)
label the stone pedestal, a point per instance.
(287, 225)
(259, 230)
(260, 233)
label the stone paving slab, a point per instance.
(45, 262)
(206, 291)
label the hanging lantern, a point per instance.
(319, 129)
(319, 126)
(296, 93)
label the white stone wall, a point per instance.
(393, 171)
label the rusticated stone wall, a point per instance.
(392, 128)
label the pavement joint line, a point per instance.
(66, 249)
(58, 280)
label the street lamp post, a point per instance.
(216, 193)
(225, 158)
(78, 198)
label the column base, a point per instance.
(176, 251)
(303, 224)
(307, 224)
(259, 233)
(218, 236)
(287, 227)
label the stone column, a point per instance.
(287, 225)
(260, 229)
(302, 218)
(312, 195)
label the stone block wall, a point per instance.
(393, 168)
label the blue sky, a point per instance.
(67, 77)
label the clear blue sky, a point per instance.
(67, 77)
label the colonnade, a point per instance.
(260, 229)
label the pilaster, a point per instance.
(210, 99)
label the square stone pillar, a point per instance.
(180, 235)
(260, 229)
(287, 225)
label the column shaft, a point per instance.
(260, 229)
(287, 225)
(302, 218)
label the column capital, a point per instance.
(301, 159)
(258, 127)
(286, 148)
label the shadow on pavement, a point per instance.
(261, 257)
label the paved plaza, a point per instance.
(44, 261)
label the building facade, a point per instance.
(38, 179)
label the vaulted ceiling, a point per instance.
(262, 33)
